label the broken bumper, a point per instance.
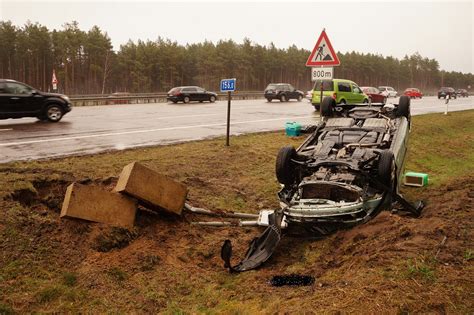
(320, 210)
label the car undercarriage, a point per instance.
(346, 171)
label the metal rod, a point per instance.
(196, 210)
(229, 97)
(214, 223)
(321, 100)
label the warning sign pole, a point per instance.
(323, 54)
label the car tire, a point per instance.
(54, 113)
(327, 107)
(283, 98)
(174, 102)
(186, 99)
(212, 99)
(386, 168)
(269, 100)
(285, 168)
(403, 108)
(342, 102)
(300, 98)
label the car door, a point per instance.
(201, 94)
(4, 99)
(292, 93)
(193, 94)
(356, 96)
(22, 99)
(344, 92)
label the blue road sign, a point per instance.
(228, 85)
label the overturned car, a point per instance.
(346, 172)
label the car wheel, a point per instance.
(285, 168)
(386, 168)
(212, 99)
(54, 113)
(174, 102)
(404, 107)
(283, 98)
(327, 106)
(300, 98)
(269, 100)
(343, 102)
(186, 99)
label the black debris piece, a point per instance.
(293, 280)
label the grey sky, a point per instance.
(440, 30)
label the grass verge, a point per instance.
(166, 265)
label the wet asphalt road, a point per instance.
(89, 130)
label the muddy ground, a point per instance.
(393, 264)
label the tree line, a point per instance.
(85, 63)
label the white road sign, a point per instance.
(322, 73)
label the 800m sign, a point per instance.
(323, 73)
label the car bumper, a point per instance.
(173, 98)
(271, 96)
(312, 211)
(68, 108)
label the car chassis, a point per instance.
(346, 172)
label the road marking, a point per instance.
(148, 131)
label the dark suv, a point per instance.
(19, 100)
(282, 92)
(187, 94)
(445, 92)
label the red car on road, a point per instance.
(374, 94)
(413, 93)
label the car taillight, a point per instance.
(334, 95)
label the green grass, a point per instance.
(45, 267)
(421, 268)
(468, 254)
(442, 146)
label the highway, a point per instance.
(89, 130)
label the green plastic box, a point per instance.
(416, 179)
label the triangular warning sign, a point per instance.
(323, 54)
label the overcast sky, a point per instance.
(440, 30)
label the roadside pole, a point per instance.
(448, 97)
(321, 100)
(228, 85)
(229, 97)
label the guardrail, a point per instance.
(95, 100)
